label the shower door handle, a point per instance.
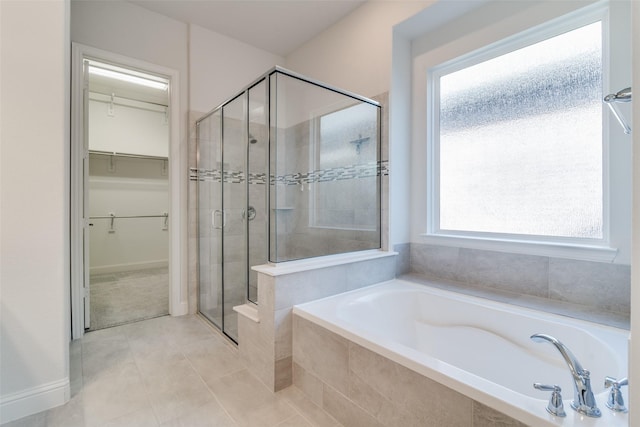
(223, 216)
(250, 213)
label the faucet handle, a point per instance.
(615, 402)
(555, 405)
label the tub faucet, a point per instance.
(584, 402)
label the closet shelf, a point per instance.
(118, 154)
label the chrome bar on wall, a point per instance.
(113, 99)
(621, 96)
(129, 216)
(113, 217)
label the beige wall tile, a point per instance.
(605, 286)
(398, 393)
(308, 383)
(369, 399)
(346, 412)
(298, 288)
(256, 351)
(483, 416)
(283, 373)
(283, 333)
(322, 353)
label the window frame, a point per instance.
(580, 248)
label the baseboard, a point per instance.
(179, 309)
(34, 400)
(118, 268)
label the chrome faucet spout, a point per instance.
(572, 362)
(584, 402)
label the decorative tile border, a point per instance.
(323, 175)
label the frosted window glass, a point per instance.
(347, 150)
(521, 141)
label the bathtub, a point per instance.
(477, 347)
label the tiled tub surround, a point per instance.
(404, 354)
(265, 330)
(594, 291)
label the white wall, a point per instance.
(220, 67)
(355, 53)
(34, 263)
(135, 187)
(129, 130)
(125, 29)
(128, 187)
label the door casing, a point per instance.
(178, 303)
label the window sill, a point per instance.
(548, 249)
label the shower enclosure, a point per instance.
(287, 169)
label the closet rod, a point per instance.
(135, 156)
(128, 216)
(107, 100)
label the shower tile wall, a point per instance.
(284, 224)
(344, 201)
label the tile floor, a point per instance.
(170, 372)
(119, 298)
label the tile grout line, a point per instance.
(224, 409)
(295, 409)
(144, 384)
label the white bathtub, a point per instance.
(478, 347)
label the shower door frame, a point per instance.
(222, 276)
(178, 304)
(245, 92)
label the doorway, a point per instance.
(126, 240)
(127, 195)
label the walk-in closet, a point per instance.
(127, 195)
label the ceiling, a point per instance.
(277, 26)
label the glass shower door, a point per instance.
(223, 214)
(258, 171)
(234, 202)
(210, 217)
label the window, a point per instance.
(345, 158)
(517, 140)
